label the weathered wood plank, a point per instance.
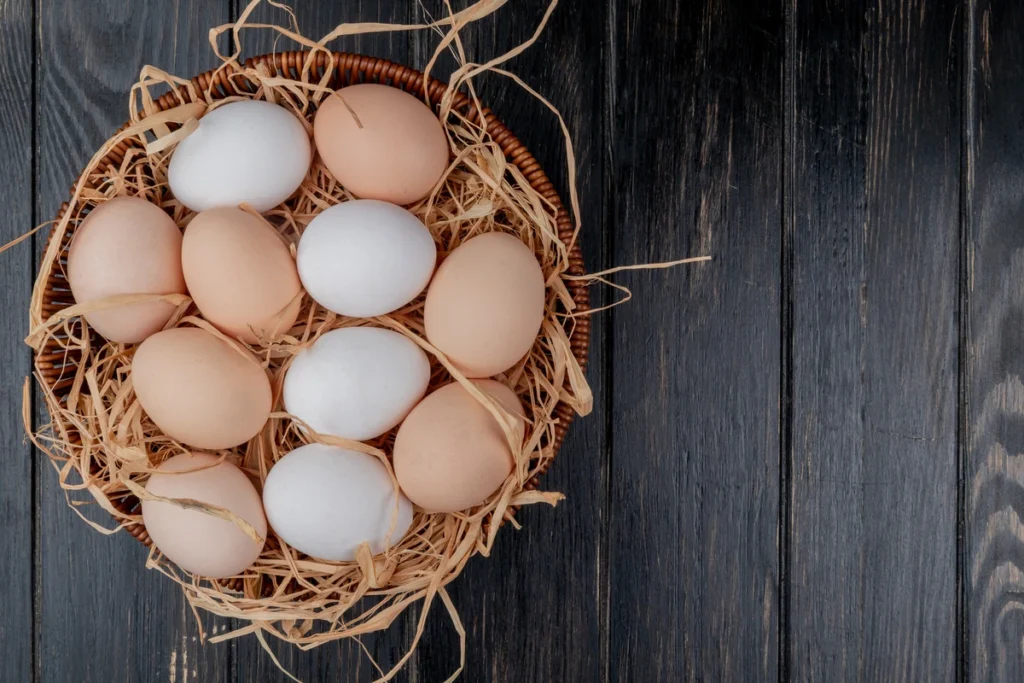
(103, 617)
(16, 465)
(875, 178)
(995, 353)
(531, 609)
(696, 145)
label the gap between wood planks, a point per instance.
(967, 122)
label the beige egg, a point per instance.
(485, 304)
(126, 246)
(200, 390)
(198, 542)
(240, 274)
(396, 151)
(450, 453)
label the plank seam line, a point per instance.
(967, 122)
(36, 242)
(608, 209)
(788, 225)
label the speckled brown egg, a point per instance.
(450, 452)
(201, 390)
(198, 542)
(240, 274)
(126, 246)
(485, 304)
(393, 148)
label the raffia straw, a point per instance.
(600, 277)
(18, 240)
(197, 506)
(101, 442)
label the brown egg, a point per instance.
(200, 390)
(198, 542)
(240, 274)
(396, 152)
(485, 304)
(450, 453)
(126, 246)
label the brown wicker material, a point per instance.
(53, 362)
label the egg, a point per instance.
(200, 390)
(356, 382)
(325, 501)
(450, 453)
(485, 304)
(126, 246)
(393, 148)
(196, 541)
(365, 258)
(241, 274)
(248, 151)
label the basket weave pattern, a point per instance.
(56, 365)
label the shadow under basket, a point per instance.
(56, 365)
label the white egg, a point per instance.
(325, 501)
(356, 382)
(365, 257)
(247, 151)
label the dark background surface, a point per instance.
(806, 460)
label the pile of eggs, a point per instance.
(360, 258)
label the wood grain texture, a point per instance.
(531, 609)
(16, 464)
(696, 146)
(875, 247)
(343, 661)
(995, 360)
(813, 148)
(103, 617)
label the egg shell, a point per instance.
(485, 304)
(241, 274)
(198, 542)
(325, 501)
(200, 390)
(365, 258)
(450, 453)
(248, 151)
(126, 246)
(396, 152)
(356, 382)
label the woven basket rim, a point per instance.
(349, 68)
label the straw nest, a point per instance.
(101, 442)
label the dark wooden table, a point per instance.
(806, 460)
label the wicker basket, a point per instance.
(53, 363)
